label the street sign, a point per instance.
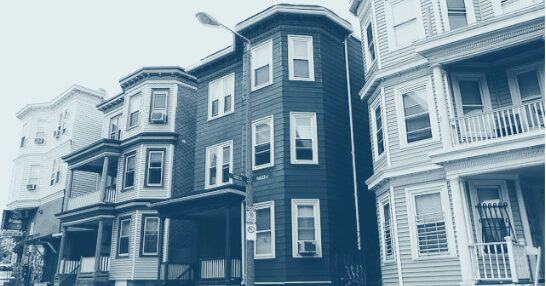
(250, 231)
(238, 177)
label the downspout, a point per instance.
(357, 215)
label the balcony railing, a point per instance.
(499, 123)
(177, 271)
(214, 268)
(88, 264)
(92, 198)
(69, 266)
(500, 262)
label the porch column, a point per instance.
(61, 249)
(68, 190)
(160, 237)
(98, 246)
(103, 179)
(228, 246)
(443, 113)
(462, 236)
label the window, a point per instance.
(431, 228)
(114, 132)
(417, 123)
(134, 111)
(65, 121)
(306, 227)
(262, 65)
(124, 235)
(221, 99)
(130, 162)
(388, 249)
(406, 23)
(262, 143)
(34, 175)
(456, 13)
(40, 132)
(300, 58)
(159, 100)
(378, 130)
(23, 136)
(55, 172)
(371, 44)
(265, 230)
(303, 138)
(471, 93)
(218, 164)
(154, 168)
(150, 236)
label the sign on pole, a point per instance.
(250, 223)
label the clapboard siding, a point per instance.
(121, 268)
(87, 125)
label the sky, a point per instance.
(46, 46)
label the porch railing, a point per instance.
(68, 266)
(504, 261)
(499, 123)
(92, 198)
(88, 264)
(177, 271)
(214, 268)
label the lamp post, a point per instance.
(208, 20)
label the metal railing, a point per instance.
(214, 268)
(499, 123)
(92, 198)
(500, 261)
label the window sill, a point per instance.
(434, 257)
(388, 262)
(208, 187)
(219, 116)
(300, 162)
(292, 78)
(262, 167)
(380, 157)
(422, 143)
(131, 128)
(127, 189)
(255, 88)
(256, 257)
(154, 186)
(307, 256)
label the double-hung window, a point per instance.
(262, 65)
(406, 24)
(265, 230)
(150, 235)
(221, 96)
(303, 138)
(129, 176)
(34, 175)
(219, 164)
(378, 130)
(114, 130)
(430, 219)
(158, 112)
(262, 143)
(124, 237)
(300, 58)
(134, 111)
(527, 83)
(154, 167)
(306, 234)
(370, 44)
(55, 172)
(388, 249)
(456, 13)
(40, 132)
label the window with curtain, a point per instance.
(300, 53)
(416, 115)
(134, 110)
(262, 142)
(150, 236)
(262, 65)
(430, 225)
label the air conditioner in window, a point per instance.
(307, 247)
(31, 187)
(158, 117)
(39, 140)
(56, 133)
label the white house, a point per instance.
(455, 91)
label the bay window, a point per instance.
(134, 111)
(406, 23)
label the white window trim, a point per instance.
(252, 75)
(156, 92)
(144, 236)
(117, 118)
(406, 87)
(125, 172)
(513, 82)
(500, 8)
(390, 24)
(128, 236)
(221, 100)
(310, 58)
(430, 188)
(269, 120)
(377, 102)
(271, 206)
(382, 202)
(473, 185)
(470, 14)
(34, 180)
(316, 209)
(293, 116)
(148, 167)
(129, 112)
(368, 57)
(484, 90)
(219, 161)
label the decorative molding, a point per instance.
(157, 73)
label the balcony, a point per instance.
(499, 124)
(92, 199)
(209, 269)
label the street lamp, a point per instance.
(208, 20)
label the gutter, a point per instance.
(357, 213)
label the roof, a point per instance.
(70, 92)
(266, 14)
(353, 6)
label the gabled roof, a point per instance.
(67, 94)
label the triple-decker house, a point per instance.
(455, 90)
